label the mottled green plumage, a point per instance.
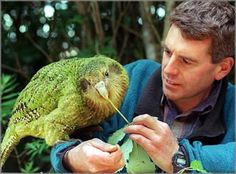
(61, 97)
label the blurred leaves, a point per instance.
(34, 155)
(8, 96)
(34, 36)
(29, 168)
(36, 148)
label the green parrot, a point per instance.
(63, 97)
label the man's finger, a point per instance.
(143, 142)
(140, 129)
(103, 146)
(147, 120)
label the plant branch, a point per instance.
(117, 24)
(137, 34)
(123, 45)
(17, 157)
(149, 33)
(39, 48)
(85, 31)
(97, 22)
(22, 73)
(149, 20)
(169, 7)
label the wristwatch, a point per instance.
(180, 160)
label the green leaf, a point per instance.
(197, 165)
(77, 19)
(139, 161)
(8, 103)
(36, 148)
(135, 157)
(7, 81)
(29, 168)
(10, 96)
(126, 149)
(116, 136)
(10, 88)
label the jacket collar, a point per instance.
(212, 126)
(150, 99)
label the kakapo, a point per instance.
(64, 96)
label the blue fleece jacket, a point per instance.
(215, 158)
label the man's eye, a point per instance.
(186, 61)
(167, 52)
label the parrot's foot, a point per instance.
(55, 134)
(56, 139)
(60, 141)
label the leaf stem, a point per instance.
(118, 111)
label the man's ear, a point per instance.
(224, 67)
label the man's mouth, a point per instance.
(170, 82)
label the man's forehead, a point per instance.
(175, 41)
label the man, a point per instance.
(189, 94)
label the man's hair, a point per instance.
(200, 20)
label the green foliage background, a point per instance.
(31, 40)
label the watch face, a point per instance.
(180, 161)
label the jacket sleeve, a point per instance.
(138, 72)
(220, 157)
(214, 158)
(57, 153)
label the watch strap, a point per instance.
(180, 159)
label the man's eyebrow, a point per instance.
(192, 59)
(188, 58)
(164, 46)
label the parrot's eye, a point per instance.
(106, 74)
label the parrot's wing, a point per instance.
(41, 95)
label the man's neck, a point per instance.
(187, 104)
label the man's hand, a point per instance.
(156, 138)
(94, 156)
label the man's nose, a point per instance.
(171, 66)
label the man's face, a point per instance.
(187, 71)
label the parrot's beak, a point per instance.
(102, 90)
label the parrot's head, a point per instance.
(104, 79)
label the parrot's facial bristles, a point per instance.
(107, 82)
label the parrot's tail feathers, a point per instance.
(7, 145)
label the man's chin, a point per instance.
(170, 95)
